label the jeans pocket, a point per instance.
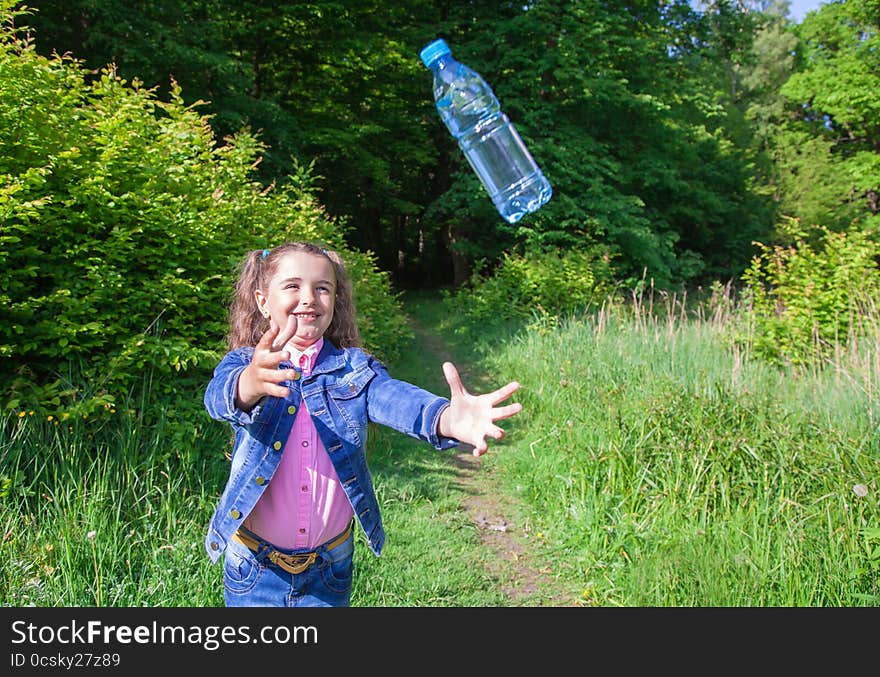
(241, 571)
(337, 576)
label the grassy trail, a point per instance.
(502, 524)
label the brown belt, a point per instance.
(294, 564)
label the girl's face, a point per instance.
(304, 285)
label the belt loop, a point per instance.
(263, 550)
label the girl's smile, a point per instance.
(303, 286)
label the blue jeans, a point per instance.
(250, 579)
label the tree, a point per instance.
(835, 104)
(624, 106)
(122, 218)
(612, 101)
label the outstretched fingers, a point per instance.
(506, 412)
(471, 418)
(285, 334)
(504, 392)
(456, 388)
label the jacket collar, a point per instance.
(329, 359)
(310, 354)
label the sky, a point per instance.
(798, 8)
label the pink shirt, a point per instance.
(304, 504)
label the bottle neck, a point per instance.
(442, 63)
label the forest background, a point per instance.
(679, 142)
(717, 150)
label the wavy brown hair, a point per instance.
(246, 322)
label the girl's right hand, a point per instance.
(262, 376)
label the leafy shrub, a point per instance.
(806, 298)
(122, 220)
(549, 283)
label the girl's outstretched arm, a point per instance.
(471, 418)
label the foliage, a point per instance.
(121, 222)
(673, 136)
(548, 284)
(628, 130)
(807, 298)
(625, 106)
(812, 98)
(829, 155)
(334, 83)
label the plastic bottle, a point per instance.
(485, 135)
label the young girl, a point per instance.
(299, 394)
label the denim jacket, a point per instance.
(346, 390)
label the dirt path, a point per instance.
(495, 514)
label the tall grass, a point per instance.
(657, 462)
(113, 511)
(106, 513)
(664, 465)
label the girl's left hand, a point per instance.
(471, 418)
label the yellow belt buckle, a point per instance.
(294, 564)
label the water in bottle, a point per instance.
(485, 135)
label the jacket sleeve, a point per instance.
(222, 388)
(406, 408)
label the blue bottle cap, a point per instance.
(433, 52)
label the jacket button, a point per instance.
(260, 480)
(291, 409)
(277, 445)
(214, 545)
(296, 376)
(235, 514)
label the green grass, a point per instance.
(666, 468)
(114, 513)
(655, 465)
(432, 554)
(107, 514)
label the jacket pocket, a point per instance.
(348, 399)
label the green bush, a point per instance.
(547, 284)
(122, 220)
(805, 299)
